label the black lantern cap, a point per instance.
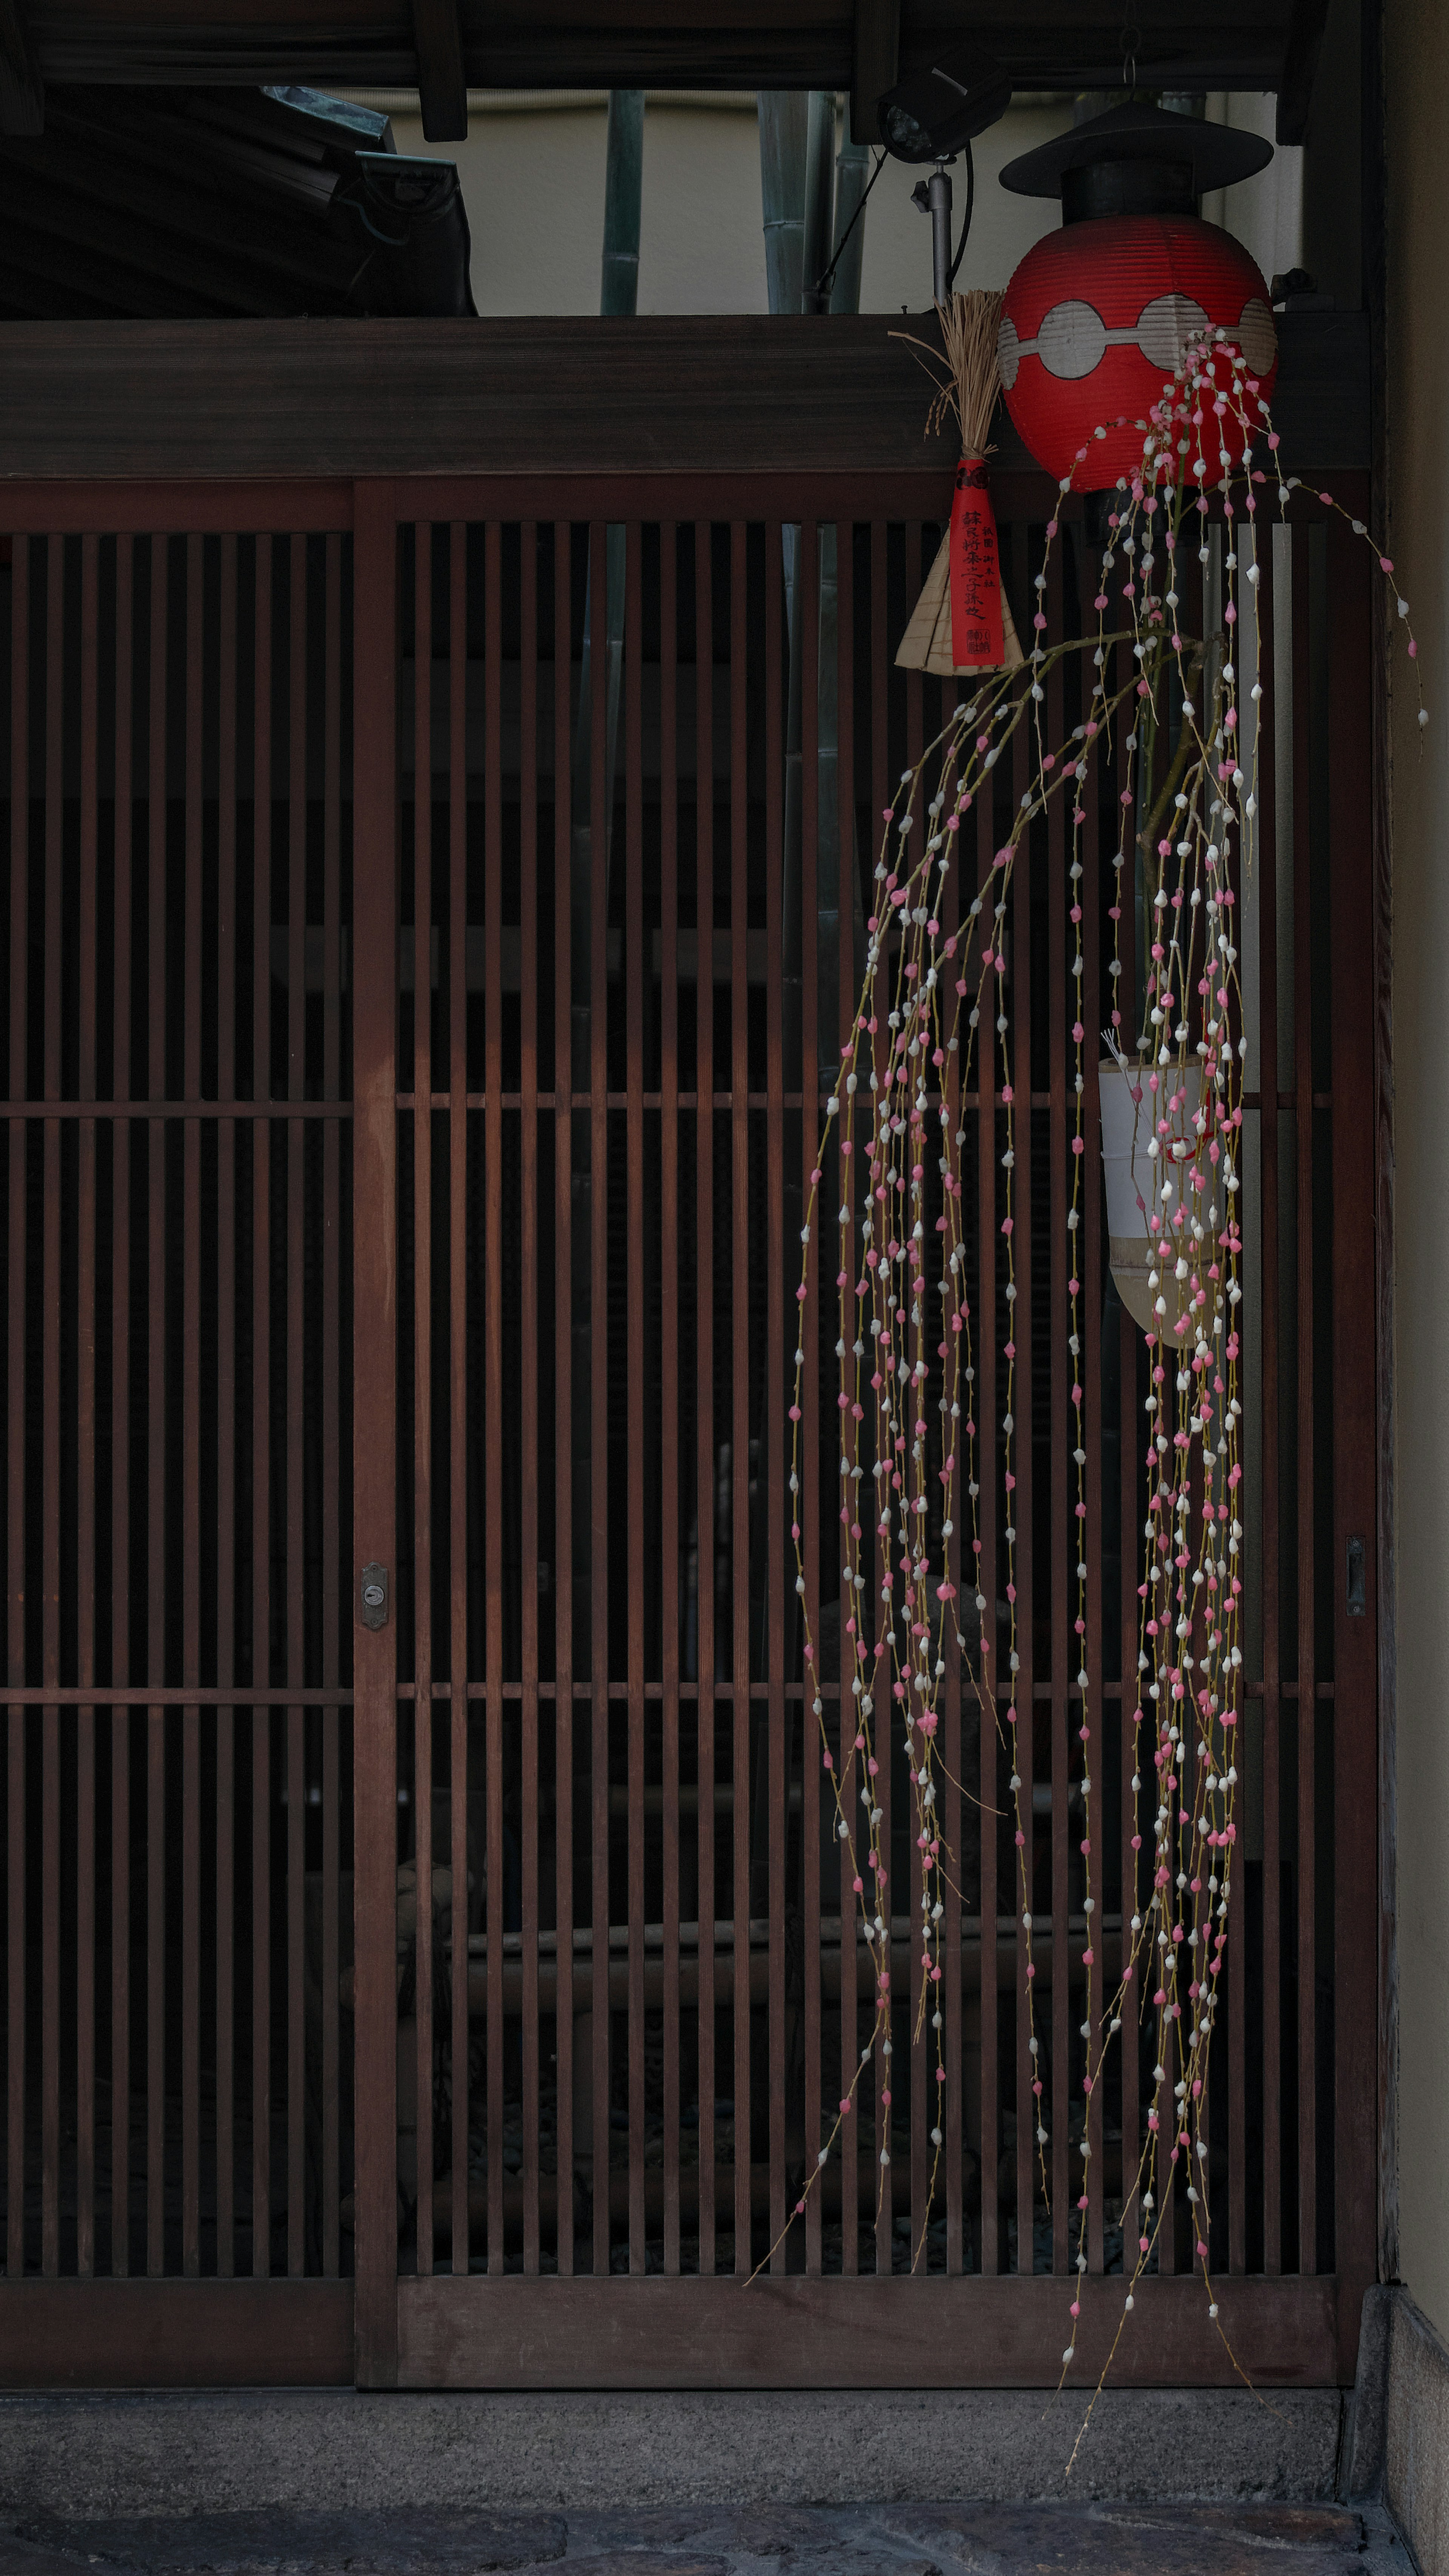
(1136, 160)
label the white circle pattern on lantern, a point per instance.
(1257, 337)
(1166, 326)
(1072, 339)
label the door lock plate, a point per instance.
(372, 1590)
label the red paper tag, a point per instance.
(976, 630)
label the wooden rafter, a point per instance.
(22, 99)
(684, 44)
(442, 81)
(1300, 62)
(874, 63)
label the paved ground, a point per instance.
(804, 2540)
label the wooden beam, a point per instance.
(442, 83)
(874, 64)
(1300, 63)
(663, 393)
(22, 98)
(655, 44)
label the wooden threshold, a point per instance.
(175, 2334)
(871, 2332)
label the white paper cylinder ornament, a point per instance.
(1131, 1175)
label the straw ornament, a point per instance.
(962, 623)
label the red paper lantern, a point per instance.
(1099, 315)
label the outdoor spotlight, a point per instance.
(411, 228)
(935, 113)
(933, 116)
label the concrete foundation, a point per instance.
(1416, 2434)
(341, 2451)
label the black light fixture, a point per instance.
(932, 116)
(413, 231)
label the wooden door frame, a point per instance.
(374, 1412)
(504, 2332)
(350, 428)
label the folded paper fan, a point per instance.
(926, 643)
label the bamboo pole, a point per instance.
(618, 294)
(819, 193)
(784, 127)
(814, 133)
(852, 171)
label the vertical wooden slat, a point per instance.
(227, 1426)
(121, 1078)
(740, 1665)
(671, 1418)
(1305, 1273)
(16, 2069)
(1086, 1264)
(771, 1468)
(374, 1365)
(982, 1408)
(1171, 2040)
(191, 1439)
(50, 1385)
(599, 822)
(332, 1221)
(1355, 1643)
(458, 1339)
(261, 1426)
(1268, 1126)
(851, 1170)
(563, 1399)
(296, 1408)
(528, 1301)
(1261, 848)
(812, 953)
(1019, 1514)
(917, 2057)
(86, 1434)
(958, 1818)
(639, 1465)
(156, 1361)
(493, 1356)
(1050, 1364)
(880, 1732)
(1129, 1446)
(422, 1448)
(707, 1539)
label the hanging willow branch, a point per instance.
(911, 1446)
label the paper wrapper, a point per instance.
(962, 622)
(1128, 1173)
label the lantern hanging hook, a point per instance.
(1131, 38)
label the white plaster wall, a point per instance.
(1417, 66)
(1264, 212)
(533, 184)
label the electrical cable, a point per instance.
(966, 218)
(823, 284)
